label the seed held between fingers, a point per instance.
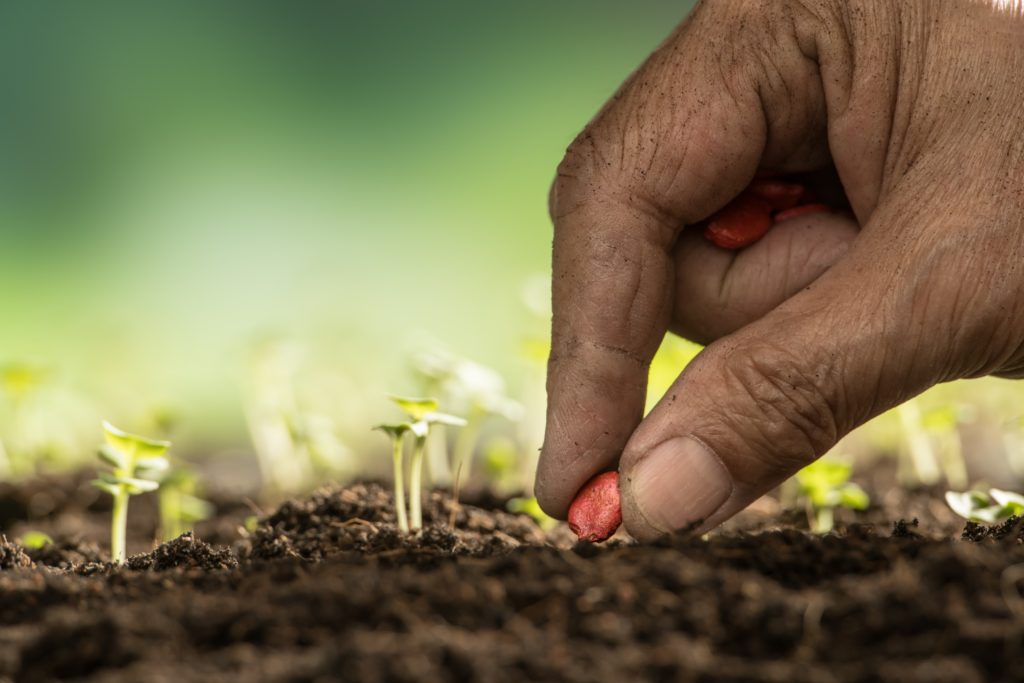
(596, 512)
(742, 222)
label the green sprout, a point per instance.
(424, 414)
(34, 540)
(397, 433)
(825, 485)
(933, 450)
(135, 462)
(180, 507)
(977, 506)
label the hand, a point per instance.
(915, 107)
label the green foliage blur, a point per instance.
(182, 182)
(244, 221)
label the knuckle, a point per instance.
(785, 413)
(587, 163)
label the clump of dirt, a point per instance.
(1011, 529)
(12, 555)
(184, 552)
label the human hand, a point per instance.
(830, 319)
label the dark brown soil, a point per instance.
(326, 589)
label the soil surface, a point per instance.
(324, 588)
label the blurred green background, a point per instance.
(181, 180)
(204, 204)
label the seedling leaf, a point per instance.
(1008, 499)
(112, 456)
(107, 487)
(990, 508)
(395, 431)
(444, 419)
(966, 502)
(152, 464)
(133, 443)
(136, 486)
(34, 540)
(853, 497)
(417, 408)
(420, 429)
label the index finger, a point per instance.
(654, 160)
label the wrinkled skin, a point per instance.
(913, 110)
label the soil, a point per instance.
(325, 589)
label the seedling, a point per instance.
(135, 463)
(180, 507)
(424, 413)
(933, 450)
(825, 485)
(397, 433)
(977, 506)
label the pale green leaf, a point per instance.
(1007, 498)
(395, 431)
(112, 456)
(416, 408)
(133, 485)
(139, 446)
(153, 464)
(853, 497)
(34, 540)
(107, 487)
(444, 419)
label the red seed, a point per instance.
(742, 222)
(802, 210)
(596, 513)
(778, 193)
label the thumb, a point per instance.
(756, 406)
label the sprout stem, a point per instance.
(824, 520)
(415, 485)
(403, 521)
(118, 528)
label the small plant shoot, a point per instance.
(424, 414)
(136, 464)
(397, 434)
(824, 486)
(977, 506)
(180, 507)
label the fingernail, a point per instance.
(678, 483)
